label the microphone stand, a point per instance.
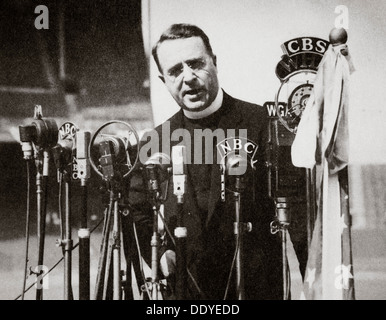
(110, 254)
(43, 133)
(238, 231)
(26, 137)
(117, 253)
(42, 169)
(281, 224)
(114, 157)
(153, 186)
(311, 201)
(180, 232)
(113, 255)
(240, 228)
(84, 247)
(83, 140)
(99, 286)
(67, 242)
(64, 173)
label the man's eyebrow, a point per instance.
(194, 59)
(177, 65)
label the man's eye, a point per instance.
(196, 64)
(175, 72)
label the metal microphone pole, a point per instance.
(99, 286)
(117, 288)
(44, 134)
(113, 255)
(114, 165)
(26, 137)
(83, 163)
(153, 186)
(67, 241)
(311, 200)
(235, 167)
(84, 248)
(180, 232)
(41, 192)
(239, 233)
(281, 225)
(40, 227)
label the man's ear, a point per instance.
(215, 60)
(162, 78)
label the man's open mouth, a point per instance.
(194, 94)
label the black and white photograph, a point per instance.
(205, 151)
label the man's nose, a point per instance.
(188, 74)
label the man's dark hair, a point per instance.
(181, 31)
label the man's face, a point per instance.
(189, 72)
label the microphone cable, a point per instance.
(174, 243)
(59, 261)
(60, 212)
(140, 260)
(60, 206)
(27, 229)
(288, 275)
(237, 248)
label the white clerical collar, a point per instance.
(216, 104)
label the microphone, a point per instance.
(233, 167)
(179, 176)
(235, 164)
(120, 146)
(82, 156)
(158, 168)
(27, 136)
(41, 132)
(46, 132)
(107, 159)
(117, 151)
(62, 153)
(113, 150)
(159, 159)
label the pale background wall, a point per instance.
(246, 37)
